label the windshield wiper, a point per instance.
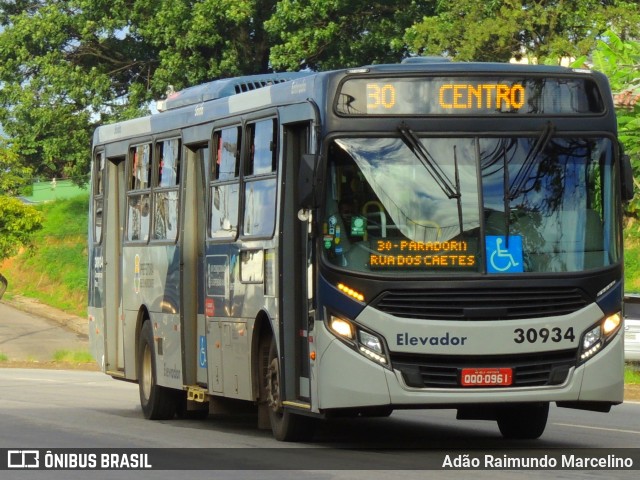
(517, 187)
(513, 190)
(449, 188)
(420, 151)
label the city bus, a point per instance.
(309, 245)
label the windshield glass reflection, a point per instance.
(548, 204)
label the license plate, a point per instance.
(630, 336)
(486, 377)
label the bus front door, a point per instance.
(295, 262)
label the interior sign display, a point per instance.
(410, 254)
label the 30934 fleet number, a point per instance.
(543, 335)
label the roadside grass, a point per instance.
(59, 356)
(632, 374)
(68, 356)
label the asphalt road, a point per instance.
(28, 336)
(54, 409)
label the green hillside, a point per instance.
(54, 268)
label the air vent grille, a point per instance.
(477, 304)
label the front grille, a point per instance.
(440, 371)
(477, 304)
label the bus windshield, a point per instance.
(471, 204)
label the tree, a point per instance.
(66, 66)
(13, 175)
(497, 30)
(327, 34)
(17, 223)
(201, 40)
(620, 61)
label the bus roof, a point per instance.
(225, 88)
(227, 96)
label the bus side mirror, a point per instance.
(627, 178)
(306, 181)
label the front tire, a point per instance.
(285, 425)
(158, 403)
(523, 422)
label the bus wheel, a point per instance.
(286, 426)
(158, 403)
(525, 422)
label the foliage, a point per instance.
(328, 34)
(17, 223)
(64, 69)
(620, 61)
(201, 40)
(632, 258)
(67, 66)
(13, 174)
(501, 29)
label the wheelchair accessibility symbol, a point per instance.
(502, 258)
(203, 352)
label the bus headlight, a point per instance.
(342, 328)
(370, 341)
(363, 341)
(596, 337)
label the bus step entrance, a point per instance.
(197, 394)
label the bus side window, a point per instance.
(166, 191)
(260, 186)
(139, 195)
(98, 196)
(225, 184)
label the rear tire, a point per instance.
(523, 422)
(158, 403)
(286, 426)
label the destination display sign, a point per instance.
(409, 255)
(467, 95)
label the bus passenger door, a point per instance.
(193, 327)
(112, 244)
(296, 307)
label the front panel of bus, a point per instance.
(469, 240)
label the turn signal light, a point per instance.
(351, 292)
